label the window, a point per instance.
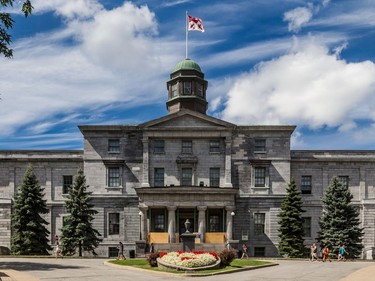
(174, 90)
(158, 223)
(159, 177)
(259, 222)
(159, 146)
(113, 176)
(260, 145)
(199, 89)
(112, 252)
(114, 223)
(187, 88)
(114, 145)
(344, 180)
(187, 174)
(187, 147)
(260, 176)
(306, 185)
(214, 146)
(214, 177)
(306, 227)
(67, 183)
(259, 251)
(215, 220)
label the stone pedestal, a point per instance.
(188, 242)
(140, 247)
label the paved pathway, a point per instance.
(51, 269)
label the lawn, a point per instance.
(236, 264)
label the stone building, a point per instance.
(228, 180)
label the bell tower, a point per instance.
(187, 88)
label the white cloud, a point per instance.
(113, 53)
(175, 3)
(309, 86)
(325, 3)
(298, 17)
(68, 9)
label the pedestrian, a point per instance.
(58, 250)
(244, 251)
(342, 253)
(120, 255)
(325, 254)
(152, 248)
(313, 252)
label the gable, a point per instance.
(187, 120)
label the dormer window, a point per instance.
(187, 88)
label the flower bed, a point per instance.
(196, 260)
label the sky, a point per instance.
(267, 62)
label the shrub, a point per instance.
(227, 256)
(151, 259)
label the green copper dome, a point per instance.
(187, 64)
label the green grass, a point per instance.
(235, 265)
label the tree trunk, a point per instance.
(80, 248)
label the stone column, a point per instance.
(145, 179)
(143, 223)
(229, 210)
(202, 222)
(172, 224)
(228, 162)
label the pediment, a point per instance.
(187, 119)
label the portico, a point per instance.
(166, 209)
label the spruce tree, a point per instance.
(291, 223)
(339, 222)
(77, 231)
(29, 232)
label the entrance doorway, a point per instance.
(182, 216)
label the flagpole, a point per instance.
(186, 41)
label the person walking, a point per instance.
(313, 252)
(244, 251)
(58, 250)
(325, 254)
(120, 255)
(342, 253)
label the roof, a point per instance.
(187, 64)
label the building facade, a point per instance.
(228, 180)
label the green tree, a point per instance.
(29, 234)
(6, 23)
(339, 222)
(77, 230)
(291, 223)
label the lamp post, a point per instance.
(140, 225)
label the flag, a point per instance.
(195, 24)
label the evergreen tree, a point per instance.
(291, 223)
(29, 234)
(77, 231)
(340, 222)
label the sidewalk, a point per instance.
(364, 274)
(13, 275)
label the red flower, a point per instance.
(162, 254)
(214, 255)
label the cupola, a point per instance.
(187, 88)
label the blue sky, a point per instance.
(287, 62)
